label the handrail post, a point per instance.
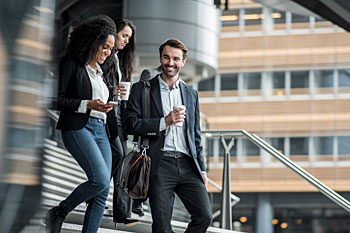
(226, 209)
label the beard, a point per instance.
(170, 73)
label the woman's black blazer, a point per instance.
(74, 85)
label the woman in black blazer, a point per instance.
(82, 100)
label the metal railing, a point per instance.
(226, 210)
(234, 198)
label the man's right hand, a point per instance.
(177, 115)
(98, 105)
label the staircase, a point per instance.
(61, 174)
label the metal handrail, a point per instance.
(234, 198)
(52, 114)
(325, 190)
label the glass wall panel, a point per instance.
(344, 80)
(252, 83)
(299, 148)
(229, 84)
(344, 147)
(209, 144)
(279, 19)
(206, 84)
(251, 152)
(278, 83)
(278, 143)
(253, 19)
(230, 17)
(324, 81)
(323, 148)
(300, 21)
(299, 82)
(323, 145)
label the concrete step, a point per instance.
(74, 220)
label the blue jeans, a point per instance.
(91, 149)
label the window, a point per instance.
(300, 82)
(250, 148)
(299, 146)
(344, 78)
(344, 145)
(300, 79)
(230, 17)
(253, 16)
(300, 18)
(252, 83)
(206, 84)
(324, 78)
(279, 17)
(278, 82)
(278, 143)
(209, 143)
(323, 145)
(229, 81)
(300, 21)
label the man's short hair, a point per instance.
(175, 43)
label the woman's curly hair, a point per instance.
(126, 56)
(85, 39)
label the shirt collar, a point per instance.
(164, 85)
(92, 71)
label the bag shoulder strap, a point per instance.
(147, 86)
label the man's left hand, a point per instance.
(205, 178)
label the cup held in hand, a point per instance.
(179, 124)
(125, 94)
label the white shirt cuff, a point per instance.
(83, 106)
(162, 125)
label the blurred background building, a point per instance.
(284, 76)
(26, 29)
(279, 69)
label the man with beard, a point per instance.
(176, 152)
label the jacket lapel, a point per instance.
(185, 99)
(155, 95)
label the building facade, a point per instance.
(286, 78)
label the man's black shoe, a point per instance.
(137, 208)
(139, 212)
(130, 222)
(54, 219)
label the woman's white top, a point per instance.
(99, 91)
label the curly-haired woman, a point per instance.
(117, 69)
(82, 100)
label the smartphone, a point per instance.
(112, 103)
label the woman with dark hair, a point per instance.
(82, 100)
(118, 69)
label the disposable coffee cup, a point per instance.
(127, 92)
(179, 124)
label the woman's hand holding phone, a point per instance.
(98, 105)
(112, 103)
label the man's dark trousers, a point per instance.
(179, 175)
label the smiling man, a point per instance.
(174, 142)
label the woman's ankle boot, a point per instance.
(54, 219)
